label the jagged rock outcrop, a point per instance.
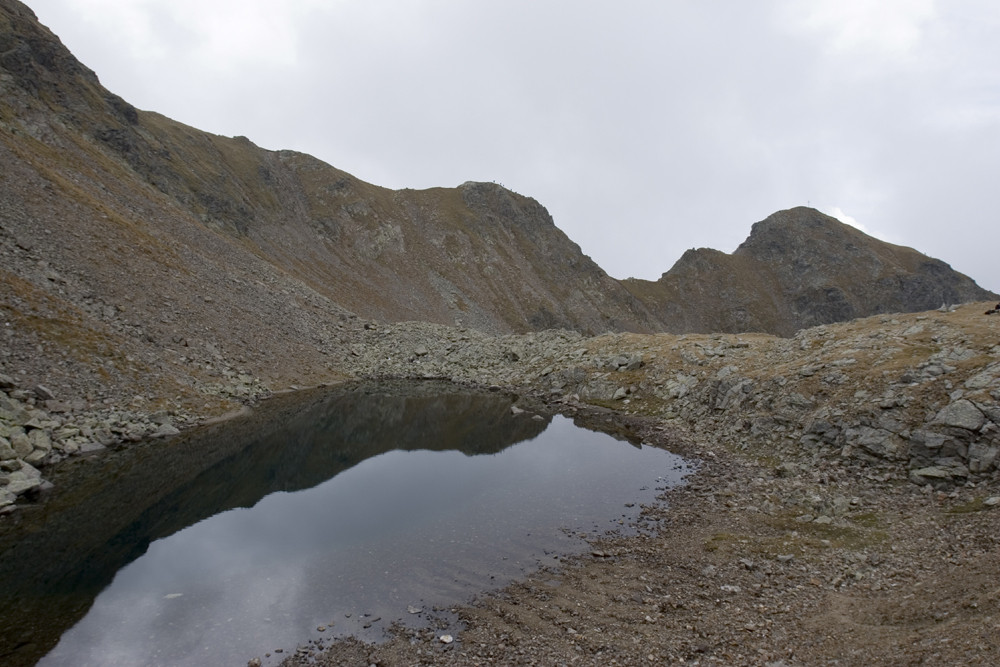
(799, 268)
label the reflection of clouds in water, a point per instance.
(215, 614)
(396, 529)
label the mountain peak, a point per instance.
(800, 268)
(799, 225)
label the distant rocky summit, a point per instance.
(799, 268)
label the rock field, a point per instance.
(844, 511)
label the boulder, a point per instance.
(22, 444)
(940, 476)
(625, 362)
(164, 431)
(91, 448)
(6, 451)
(925, 447)
(36, 457)
(40, 440)
(961, 414)
(876, 441)
(44, 393)
(984, 379)
(991, 410)
(12, 411)
(982, 457)
(23, 480)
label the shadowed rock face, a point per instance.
(799, 268)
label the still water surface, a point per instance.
(463, 498)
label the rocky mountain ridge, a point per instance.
(127, 226)
(799, 268)
(89, 165)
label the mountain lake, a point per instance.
(321, 514)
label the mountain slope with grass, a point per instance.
(145, 193)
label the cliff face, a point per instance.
(799, 268)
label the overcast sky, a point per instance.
(645, 127)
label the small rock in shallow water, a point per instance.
(446, 639)
(91, 448)
(165, 431)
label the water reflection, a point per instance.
(364, 502)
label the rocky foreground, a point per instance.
(844, 511)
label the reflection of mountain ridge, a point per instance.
(106, 511)
(338, 433)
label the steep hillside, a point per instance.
(146, 260)
(799, 268)
(137, 252)
(478, 255)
